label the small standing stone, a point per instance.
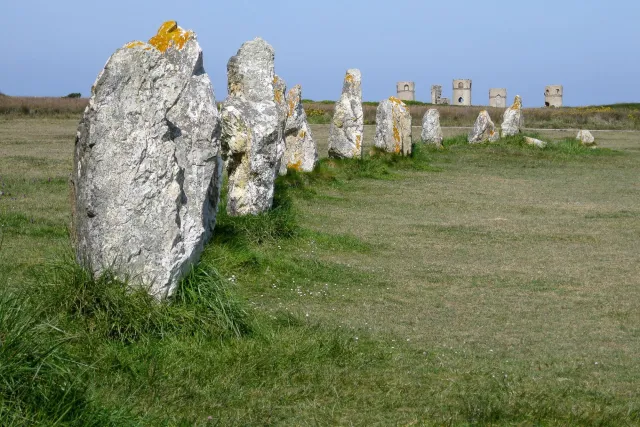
(431, 130)
(533, 141)
(301, 153)
(347, 126)
(512, 120)
(252, 128)
(483, 130)
(586, 138)
(393, 127)
(147, 167)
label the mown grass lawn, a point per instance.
(487, 284)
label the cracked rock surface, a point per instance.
(301, 153)
(512, 120)
(393, 127)
(147, 166)
(483, 130)
(252, 128)
(347, 125)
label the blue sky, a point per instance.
(591, 47)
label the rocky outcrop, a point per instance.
(431, 130)
(512, 120)
(347, 127)
(301, 153)
(393, 127)
(586, 138)
(252, 128)
(483, 130)
(536, 142)
(147, 167)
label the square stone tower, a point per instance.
(498, 97)
(406, 91)
(553, 96)
(461, 92)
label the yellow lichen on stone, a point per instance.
(278, 94)
(302, 134)
(169, 34)
(395, 100)
(134, 44)
(358, 143)
(349, 78)
(295, 165)
(517, 103)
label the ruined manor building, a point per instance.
(406, 91)
(461, 92)
(553, 96)
(498, 98)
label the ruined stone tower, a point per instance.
(461, 92)
(436, 94)
(498, 97)
(406, 91)
(553, 96)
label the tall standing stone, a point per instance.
(301, 153)
(483, 130)
(252, 128)
(393, 127)
(431, 130)
(279, 94)
(147, 167)
(512, 120)
(347, 126)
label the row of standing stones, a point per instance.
(151, 149)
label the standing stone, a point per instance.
(301, 153)
(512, 120)
(393, 127)
(279, 94)
(483, 130)
(431, 130)
(347, 126)
(147, 167)
(586, 138)
(252, 128)
(536, 142)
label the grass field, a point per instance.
(494, 284)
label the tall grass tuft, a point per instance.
(38, 382)
(106, 307)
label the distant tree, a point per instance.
(74, 95)
(2, 93)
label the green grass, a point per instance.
(487, 284)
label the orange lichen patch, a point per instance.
(517, 103)
(169, 34)
(134, 44)
(396, 134)
(358, 142)
(278, 94)
(292, 106)
(295, 165)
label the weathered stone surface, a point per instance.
(279, 94)
(347, 126)
(393, 127)
(586, 138)
(147, 166)
(301, 152)
(483, 130)
(431, 130)
(532, 141)
(252, 128)
(512, 120)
